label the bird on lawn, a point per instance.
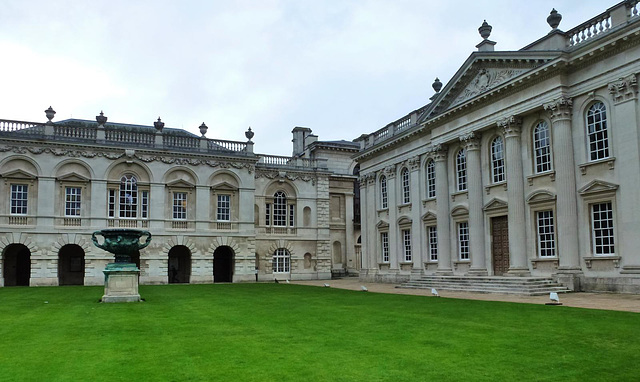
(364, 288)
(326, 285)
(434, 292)
(287, 280)
(276, 280)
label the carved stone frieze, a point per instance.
(511, 126)
(288, 176)
(471, 141)
(624, 89)
(486, 79)
(559, 108)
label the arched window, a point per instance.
(461, 170)
(128, 197)
(281, 261)
(497, 160)
(431, 179)
(384, 198)
(597, 131)
(542, 147)
(279, 209)
(406, 186)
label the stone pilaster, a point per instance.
(395, 249)
(370, 250)
(511, 128)
(416, 223)
(471, 143)
(567, 220)
(442, 203)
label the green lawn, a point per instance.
(269, 332)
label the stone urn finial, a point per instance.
(554, 19)
(159, 125)
(485, 30)
(437, 85)
(203, 129)
(50, 113)
(248, 134)
(101, 119)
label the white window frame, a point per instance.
(545, 233)
(430, 175)
(432, 241)
(602, 229)
(128, 197)
(406, 245)
(384, 244)
(461, 170)
(542, 148)
(597, 132)
(281, 261)
(497, 160)
(180, 205)
(463, 241)
(384, 194)
(72, 201)
(406, 186)
(19, 202)
(223, 208)
(279, 209)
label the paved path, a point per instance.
(607, 301)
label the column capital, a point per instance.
(371, 179)
(624, 89)
(414, 162)
(559, 108)
(439, 152)
(471, 141)
(511, 126)
(390, 171)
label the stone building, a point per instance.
(217, 211)
(525, 163)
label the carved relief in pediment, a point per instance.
(486, 79)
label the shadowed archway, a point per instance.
(223, 264)
(71, 265)
(179, 265)
(16, 260)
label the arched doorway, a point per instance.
(179, 265)
(135, 258)
(16, 265)
(223, 265)
(71, 265)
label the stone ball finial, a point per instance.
(437, 85)
(249, 134)
(159, 125)
(554, 19)
(50, 113)
(101, 119)
(203, 129)
(485, 30)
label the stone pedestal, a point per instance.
(121, 283)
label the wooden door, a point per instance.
(500, 245)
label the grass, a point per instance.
(269, 332)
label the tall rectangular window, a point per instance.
(267, 218)
(224, 208)
(406, 244)
(112, 203)
(461, 170)
(280, 209)
(384, 241)
(406, 187)
(281, 261)
(384, 199)
(463, 240)
(542, 147)
(602, 229)
(597, 131)
(292, 215)
(72, 201)
(431, 179)
(180, 206)
(432, 233)
(19, 198)
(546, 234)
(144, 206)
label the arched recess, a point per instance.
(16, 261)
(306, 216)
(223, 264)
(117, 170)
(71, 265)
(179, 265)
(337, 253)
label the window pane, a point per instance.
(224, 208)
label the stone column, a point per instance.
(511, 126)
(366, 227)
(566, 206)
(370, 249)
(395, 248)
(443, 220)
(416, 222)
(350, 251)
(471, 143)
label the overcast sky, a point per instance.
(339, 67)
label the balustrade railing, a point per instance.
(403, 123)
(128, 223)
(275, 160)
(589, 29)
(75, 132)
(32, 128)
(129, 137)
(181, 141)
(217, 144)
(381, 134)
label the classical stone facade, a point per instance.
(217, 211)
(524, 163)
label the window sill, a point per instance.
(614, 259)
(550, 174)
(609, 161)
(552, 260)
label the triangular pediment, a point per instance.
(18, 174)
(541, 196)
(73, 177)
(382, 224)
(180, 183)
(483, 72)
(429, 216)
(597, 186)
(495, 204)
(224, 186)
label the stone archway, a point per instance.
(179, 265)
(223, 258)
(16, 265)
(71, 265)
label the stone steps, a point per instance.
(527, 286)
